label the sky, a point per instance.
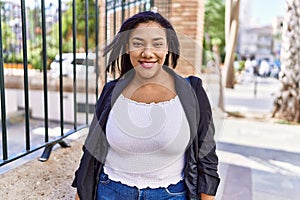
(264, 10)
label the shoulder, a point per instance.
(194, 81)
(201, 93)
(106, 92)
(110, 84)
(108, 87)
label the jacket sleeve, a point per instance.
(85, 175)
(208, 178)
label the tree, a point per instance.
(231, 32)
(214, 40)
(52, 39)
(216, 43)
(80, 24)
(287, 104)
(214, 22)
(7, 37)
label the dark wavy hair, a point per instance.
(120, 60)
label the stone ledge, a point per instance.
(49, 180)
(36, 82)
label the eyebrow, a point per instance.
(141, 39)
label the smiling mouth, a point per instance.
(147, 64)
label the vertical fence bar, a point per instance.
(105, 37)
(145, 5)
(74, 63)
(97, 48)
(169, 8)
(45, 70)
(115, 17)
(86, 63)
(115, 26)
(128, 9)
(2, 90)
(60, 68)
(151, 3)
(135, 6)
(25, 64)
(123, 11)
(141, 6)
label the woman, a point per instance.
(152, 133)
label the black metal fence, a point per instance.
(20, 31)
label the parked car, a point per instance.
(67, 64)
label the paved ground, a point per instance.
(35, 180)
(259, 157)
(16, 141)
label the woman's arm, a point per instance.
(205, 197)
(77, 197)
(207, 158)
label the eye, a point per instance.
(158, 44)
(137, 44)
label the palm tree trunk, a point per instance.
(219, 72)
(231, 31)
(287, 104)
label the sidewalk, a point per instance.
(259, 158)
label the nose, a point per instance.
(147, 52)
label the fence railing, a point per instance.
(47, 102)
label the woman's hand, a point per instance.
(207, 197)
(77, 197)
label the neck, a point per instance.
(162, 78)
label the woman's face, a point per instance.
(147, 48)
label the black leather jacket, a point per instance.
(200, 172)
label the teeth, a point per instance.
(147, 64)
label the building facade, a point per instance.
(256, 41)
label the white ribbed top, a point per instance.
(147, 142)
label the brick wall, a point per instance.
(187, 18)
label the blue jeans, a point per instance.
(112, 190)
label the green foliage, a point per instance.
(35, 55)
(214, 24)
(13, 58)
(7, 39)
(34, 52)
(216, 41)
(209, 55)
(35, 58)
(80, 25)
(241, 65)
(34, 43)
